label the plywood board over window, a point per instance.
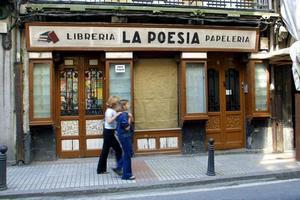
(155, 94)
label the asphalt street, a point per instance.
(268, 189)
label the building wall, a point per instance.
(7, 115)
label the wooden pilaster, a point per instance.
(297, 121)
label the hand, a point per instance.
(118, 113)
(130, 116)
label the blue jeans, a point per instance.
(125, 140)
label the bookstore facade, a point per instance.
(185, 84)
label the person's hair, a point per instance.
(123, 102)
(112, 101)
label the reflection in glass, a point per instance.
(69, 92)
(93, 92)
(260, 87)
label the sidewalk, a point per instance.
(70, 176)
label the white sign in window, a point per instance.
(120, 68)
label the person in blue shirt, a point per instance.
(124, 121)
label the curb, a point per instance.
(278, 175)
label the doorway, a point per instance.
(80, 94)
(225, 100)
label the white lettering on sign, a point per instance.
(41, 36)
(120, 68)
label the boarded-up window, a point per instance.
(155, 94)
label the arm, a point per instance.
(113, 118)
(124, 121)
(130, 118)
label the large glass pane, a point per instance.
(69, 92)
(195, 88)
(261, 78)
(93, 92)
(41, 90)
(120, 80)
(232, 90)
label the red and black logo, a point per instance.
(48, 36)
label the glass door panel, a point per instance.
(93, 91)
(213, 91)
(232, 81)
(69, 92)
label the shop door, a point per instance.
(225, 101)
(79, 110)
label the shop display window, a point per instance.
(257, 89)
(120, 80)
(194, 93)
(261, 84)
(40, 82)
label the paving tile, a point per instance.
(74, 173)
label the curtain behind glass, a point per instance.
(195, 90)
(260, 87)
(41, 90)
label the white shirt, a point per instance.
(109, 113)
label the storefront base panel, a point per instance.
(43, 144)
(193, 137)
(158, 141)
(259, 134)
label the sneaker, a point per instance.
(118, 171)
(129, 178)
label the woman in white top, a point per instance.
(109, 139)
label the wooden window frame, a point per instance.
(250, 96)
(40, 121)
(183, 102)
(107, 77)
